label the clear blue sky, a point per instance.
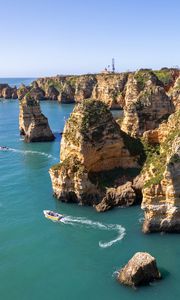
(48, 37)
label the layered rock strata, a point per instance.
(140, 270)
(115, 89)
(146, 103)
(33, 125)
(8, 92)
(161, 192)
(92, 144)
(123, 195)
(175, 93)
(108, 88)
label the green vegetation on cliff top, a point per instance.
(165, 76)
(157, 155)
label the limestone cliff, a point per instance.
(174, 93)
(33, 125)
(115, 89)
(146, 103)
(161, 192)
(92, 145)
(108, 88)
(8, 92)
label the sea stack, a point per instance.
(33, 125)
(92, 146)
(161, 192)
(140, 270)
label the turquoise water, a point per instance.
(40, 259)
(16, 81)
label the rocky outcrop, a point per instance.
(8, 92)
(146, 103)
(108, 88)
(115, 89)
(140, 270)
(22, 91)
(136, 91)
(33, 125)
(92, 146)
(123, 195)
(36, 92)
(175, 93)
(161, 192)
(66, 94)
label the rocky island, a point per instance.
(94, 153)
(140, 270)
(33, 125)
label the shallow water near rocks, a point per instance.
(77, 259)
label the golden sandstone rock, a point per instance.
(33, 125)
(161, 192)
(92, 142)
(140, 270)
(146, 103)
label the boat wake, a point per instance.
(31, 152)
(97, 225)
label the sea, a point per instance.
(79, 258)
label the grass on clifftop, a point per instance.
(142, 76)
(157, 156)
(165, 76)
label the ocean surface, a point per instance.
(77, 259)
(16, 81)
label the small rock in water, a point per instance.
(140, 270)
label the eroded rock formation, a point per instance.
(92, 146)
(8, 92)
(140, 270)
(123, 195)
(137, 91)
(33, 125)
(161, 192)
(175, 93)
(108, 88)
(146, 103)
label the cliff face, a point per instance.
(116, 90)
(131, 89)
(33, 125)
(104, 87)
(8, 92)
(146, 103)
(92, 143)
(175, 93)
(161, 192)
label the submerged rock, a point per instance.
(33, 125)
(92, 143)
(140, 270)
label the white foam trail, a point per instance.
(97, 225)
(27, 152)
(121, 233)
